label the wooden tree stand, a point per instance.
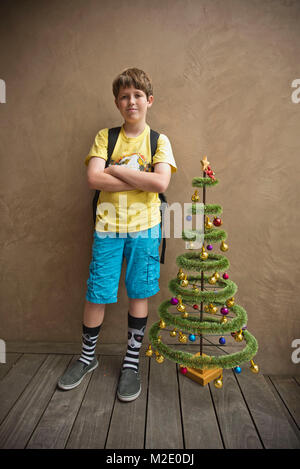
(203, 375)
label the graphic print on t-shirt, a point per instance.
(135, 161)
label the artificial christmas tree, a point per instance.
(211, 294)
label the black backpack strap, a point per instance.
(113, 135)
(153, 140)
(164, 243)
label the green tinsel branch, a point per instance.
(188, 359)
(212, 235)
(206, 296)
(191, 261)
(211, 324)
(208, 209)
(200, 182)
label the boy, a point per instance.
(127, 225)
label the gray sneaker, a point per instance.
(129, 387)
(75, 374)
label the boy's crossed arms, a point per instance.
(118, 178)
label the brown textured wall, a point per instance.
(222, 73)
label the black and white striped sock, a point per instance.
(89, 341)
(136, 331)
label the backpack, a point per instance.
(113, 135)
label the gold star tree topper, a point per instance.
(204, 163)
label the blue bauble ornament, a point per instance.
(222, 341)
(192, 337)
(189, 217)
(237, 369)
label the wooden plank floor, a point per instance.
(172, 412)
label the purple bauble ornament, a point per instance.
(224, 310)
(174, 301)
(209, 247)
(225, 276)
(189, 218)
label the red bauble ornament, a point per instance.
(196, 306)
(183, 370)
(225, 276)
(209, 172)
(217, 221)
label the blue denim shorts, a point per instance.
(141, 251)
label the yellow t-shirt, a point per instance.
(136, 210)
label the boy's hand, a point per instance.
(108, 170)
(116, 170)
(112, 170)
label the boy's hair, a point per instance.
(133, 77)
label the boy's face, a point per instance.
(133, 104)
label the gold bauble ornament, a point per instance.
(208, 224)
(182, 338)
(206, 309)
(217, 275)
(162, 324)
(239, 337)
(180, 274)
(173, 333)
(184, 282)
(224, 246)
(159, 339)
(219, 382)
(180, 307)
(223, 320)
(214, 310)
(254, 368)
(230, 302)
(185, 315)
(204, 254)
(160, 359)
(195, 289)
(212, 280)
(149, 352)
(195, 197)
